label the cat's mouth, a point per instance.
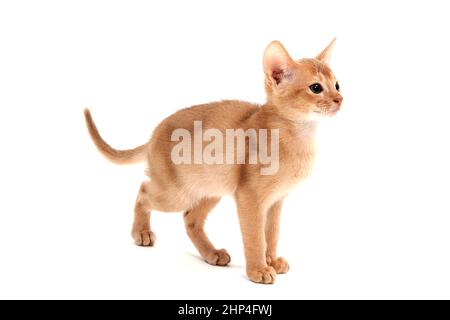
(333, 111)
(329, 112)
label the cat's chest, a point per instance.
(297, 160)
(294, 167)
(291, 173)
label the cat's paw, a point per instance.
(264, 275)
(218, 258)
(279, 264)
(144, 238)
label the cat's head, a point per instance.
(302, 89)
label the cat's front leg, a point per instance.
(252, 221)
(272, 233)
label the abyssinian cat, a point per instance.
(298, 92)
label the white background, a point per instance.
(371, 222)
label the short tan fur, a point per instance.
(292, 107)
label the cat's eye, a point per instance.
(338, 88)
(316, 88)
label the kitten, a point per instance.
(297, 92)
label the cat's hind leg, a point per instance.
(194, 220)
(141, 231)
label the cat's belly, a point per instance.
(209, 181)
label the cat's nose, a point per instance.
(338, 100)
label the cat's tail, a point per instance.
(117, 156)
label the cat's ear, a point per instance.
(325, 55)
(277, 63)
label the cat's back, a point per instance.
(221, 114)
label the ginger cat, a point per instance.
(298, 92)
